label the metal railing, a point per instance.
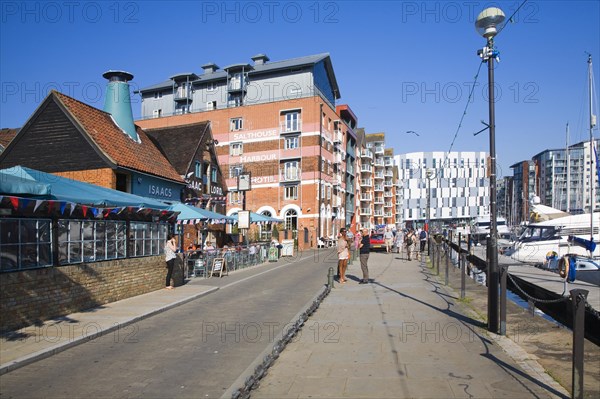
(199, 263)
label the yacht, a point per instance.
(481, 228)
(540, 239)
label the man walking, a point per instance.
(365, 249)
(388, 236)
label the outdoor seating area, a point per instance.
(198, 263)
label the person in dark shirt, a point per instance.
(365, 249)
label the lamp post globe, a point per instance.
(487, 24)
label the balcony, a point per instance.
(388, 161)
(183, 94)
(388, 173)
(388, 214)
(290, 174)
(388, 183)
(379, 176)
(366, 168)
(365, 211)
(388, 205)
(337, 158)
(350, 169)
(366, 197)
(379, 150)
(338, 137)
(290, 127)
(366, 182)
(378, 213)
(379, 200)
(367, 154)
(388, 194)
(378, 162)
(379, 187)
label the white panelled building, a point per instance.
(457, 182)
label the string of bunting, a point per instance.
(64, 207)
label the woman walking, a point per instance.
(170, 249)
(343, 255)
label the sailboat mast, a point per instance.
(568, 168)
(592, 167)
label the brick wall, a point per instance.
(101, 177)
(30, 296)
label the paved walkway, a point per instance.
(402, 336)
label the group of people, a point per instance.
(414, 241)
(362, 242)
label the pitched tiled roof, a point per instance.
(180, 143)
(115, 143)
(6, 136)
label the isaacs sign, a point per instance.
(151, 187)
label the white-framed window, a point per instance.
(322, 191)
(235, 170)
(236, 149)
(291, 170)
(236, 124)
(291, 192)
(235, 197)
(158, 94)
(157, 113)
(211, 86)
(210, 105)
(328, 192)
(292, 121)
(26, 243)
(291, 142)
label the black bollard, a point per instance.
(578, 299)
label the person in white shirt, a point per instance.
(388, 236)
(170, 249)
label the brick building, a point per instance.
(278, 122)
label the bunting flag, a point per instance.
(84, 210)
(15, 202)
(63, 205)
(72, 206)
(37, 204)
(117, 210)
(94, 211)
(50, 206)
(26, 202)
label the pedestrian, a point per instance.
(409, 243)
(423, 240)
(170, 249)
(343, 255)
(365, 249)
(388, 236)
(399, 242)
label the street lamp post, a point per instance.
(486, 24)
(429, 174)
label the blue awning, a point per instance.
(195, 214)
(47, 186)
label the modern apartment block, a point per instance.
(457, 184)
(565, 184)
(378, 188)
(278, 122)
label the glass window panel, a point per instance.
(74, 231)
(44, 231)
(29, 256)
(88, 250)
(45, 255)
(88, 230)
(147, 247)
(28, 231)
(75, 252)
(9, 231)
(100, 255)
(62, 253)
(9, 259)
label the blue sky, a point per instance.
(400, 65)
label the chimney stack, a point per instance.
(210, 67)
(260, 59)
(118, 101)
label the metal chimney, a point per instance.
(118, 101)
